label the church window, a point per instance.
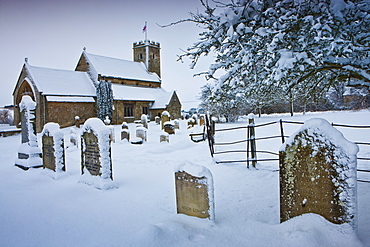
(140, 56)
(145, 110)
(128, 110)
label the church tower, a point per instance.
(148, 52)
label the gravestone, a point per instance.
(194, 191)
(124, 125)
(125, 134)
(202, 120)
(165, 118)
(318, 174)
(29, 153)
(157, 120)
(176, 124)
(141, 132)
(164, 137)
(73, 137)
(96, 149)
(169, 128)
(144, 121)
(77, 121)
(191, 123)
(53, 155)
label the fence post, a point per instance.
(282, 131)
(210, 133)
(252, 139)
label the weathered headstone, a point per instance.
(318, 174)
(96, 149)
(77, 121)
(195, 117)
(191, 123)
(157, 120)
(124, 125)
(73, 137)
(144, 121)
(125, 134)
(164, 137)
(29, 153)
(169, 128)
(194, 191)
(176, 123)
(53, 155)
(141, 132)
(202, 120)
(165, 118)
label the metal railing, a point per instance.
(251, 147)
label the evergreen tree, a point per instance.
(104, 95)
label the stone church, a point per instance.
(61, 95)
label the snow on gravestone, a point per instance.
(96, 149)
(29, 153)
(53, 155)
(318, 174)
(194, 191)
(165, 118)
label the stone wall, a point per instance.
(64, 113)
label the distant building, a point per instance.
(61, 95)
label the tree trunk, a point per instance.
(291, 108)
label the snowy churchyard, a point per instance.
(140, 206)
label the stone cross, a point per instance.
(318, 174)
(29, 153)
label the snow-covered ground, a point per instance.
(37, 210)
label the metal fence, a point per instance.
(251, 147)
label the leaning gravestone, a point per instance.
(29, 153)
(194, 191)
(96, 149)
(53, 155)
(318, 174)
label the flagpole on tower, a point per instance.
(145, 30)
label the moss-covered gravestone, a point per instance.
(96, 149)
(194, 191)
(53, 155)
(318, 174)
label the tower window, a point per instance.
(140, 56)
(153, 56)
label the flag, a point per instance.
(144, 28)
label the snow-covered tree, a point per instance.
(291, 45)
(104, 95)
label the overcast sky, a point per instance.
(52, 33)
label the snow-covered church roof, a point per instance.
(120, 68)
(61, 82)
(159, 96)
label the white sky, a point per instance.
(52, 33)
